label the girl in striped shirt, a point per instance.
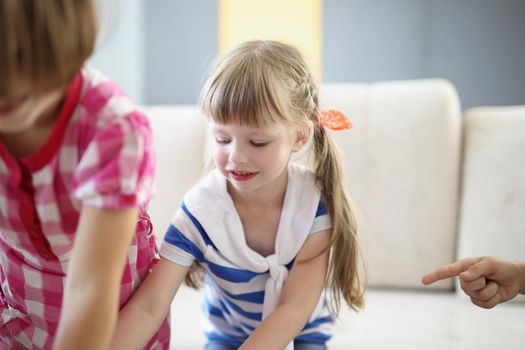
(276, 241)
(76, 171)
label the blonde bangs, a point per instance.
(245, 90)
(44, 42)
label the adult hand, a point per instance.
(487, 280)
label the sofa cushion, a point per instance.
(402, 159)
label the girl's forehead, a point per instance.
(266, 128)
(264, 120)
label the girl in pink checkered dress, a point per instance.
(76, 171)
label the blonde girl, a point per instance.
(76, 170)
(270, 235)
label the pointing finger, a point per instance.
(448, 271)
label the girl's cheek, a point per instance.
(219, 157)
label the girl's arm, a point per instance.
(92, 287)
(144, 313)
(299, 297)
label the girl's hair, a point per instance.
(44, 42)
(262, 81)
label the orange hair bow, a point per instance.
(334, 120)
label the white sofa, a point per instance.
(430, 185)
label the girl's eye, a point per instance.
(258, 144)
(222, 141)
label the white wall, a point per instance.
(120, 49)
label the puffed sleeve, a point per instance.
(322, 219)
(117, 168)
(182, 242)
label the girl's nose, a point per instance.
(237, 154)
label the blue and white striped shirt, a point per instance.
(208, 229)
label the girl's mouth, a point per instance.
(242, 175)
(8, 107)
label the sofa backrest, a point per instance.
(179, 142)
(402, 159)
(493, 190)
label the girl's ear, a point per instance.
(302, 135)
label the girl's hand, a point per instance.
(487, 280)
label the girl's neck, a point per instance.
(260, 212)
(26, 142)
(270, 196)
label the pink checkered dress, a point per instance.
(99, 154)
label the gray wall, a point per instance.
(479, 45)
(489, 38)
(159, 50)
(181, 42)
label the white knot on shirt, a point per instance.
(273, 287)
(274, 284)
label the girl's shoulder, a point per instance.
(299, 172)
(103, 110)
(302, 187)
(299, 168)
(103, 102)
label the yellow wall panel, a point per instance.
(296, 22)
